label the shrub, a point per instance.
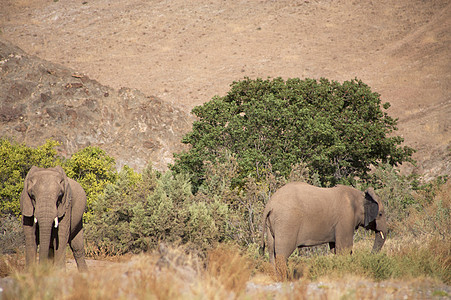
(93, 169)
(244, 204)
(136, 214)
(432, 217)
(161, 215)
(207, 224)
(396, 192)
(108, 230)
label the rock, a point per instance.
(42, 100)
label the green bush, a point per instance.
(244, 204)
(15, 162)
(136, 216)
(108, 230)
(207, 224)
(338, 130)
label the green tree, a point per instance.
(15, 162)
(338, 130)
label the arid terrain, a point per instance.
(124, 75)
(186, 52)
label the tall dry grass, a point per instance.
(229, 273)
(229, 267)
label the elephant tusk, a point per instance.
(382, 235)
(56, 222)
(35, 220)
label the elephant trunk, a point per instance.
(45, 233)
(46, 220)
(379, 241)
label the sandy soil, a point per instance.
(185, 52)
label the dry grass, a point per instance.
(227, 273)
(11, 263)
(227, 265)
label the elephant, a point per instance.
(52, 207)
(302, 215)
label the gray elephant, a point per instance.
(52, 207)
(302, 215)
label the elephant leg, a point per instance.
(332, 247)
(283, 249)
(60, 245)
(31, 246)
(344, 240)
(76, 244)
(271, 247)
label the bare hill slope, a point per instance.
(42, 100)
(185, 52)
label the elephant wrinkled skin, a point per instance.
(302, 215)
(52, 207)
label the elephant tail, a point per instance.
(264, 223)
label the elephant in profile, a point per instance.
(52, 207)
(302, 215)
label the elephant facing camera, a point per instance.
(52, 207)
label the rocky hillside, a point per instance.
(40, 100)
(187, 51)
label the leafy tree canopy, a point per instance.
(338, 130)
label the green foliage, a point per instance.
(93, 169)
(135, 214)
(108, 229)
(339, 130)
(15, 162)
(206, 224)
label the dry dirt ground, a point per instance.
(185, 52)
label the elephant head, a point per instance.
(374, 218)
(44, 201)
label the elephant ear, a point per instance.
(67, 193)
(371, 206)
(26, 206)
